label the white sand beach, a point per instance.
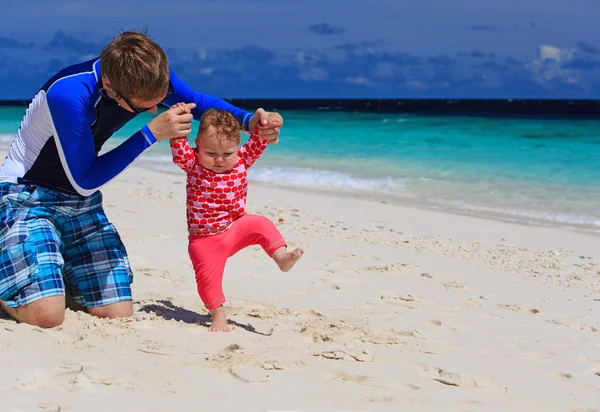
(391, 308)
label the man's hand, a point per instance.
(175, 122)
(271, 122)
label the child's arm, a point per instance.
(253, 148)
(183, 154)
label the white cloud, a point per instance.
(548, 52)
(550, 65)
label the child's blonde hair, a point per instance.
(219, 124)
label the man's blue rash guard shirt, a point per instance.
(69, 120)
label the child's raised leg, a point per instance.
(251, 230)
(286, 260)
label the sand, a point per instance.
(391, 308)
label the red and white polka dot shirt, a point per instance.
(215, 200)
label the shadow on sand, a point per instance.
(167, 310)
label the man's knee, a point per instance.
(46, 312)
(48, 319)
(114, 310)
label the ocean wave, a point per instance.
(288, 176)
(560, 219)
(295, 176)
(322, 179)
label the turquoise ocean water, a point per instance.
(536, 170)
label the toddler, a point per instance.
(218, 225)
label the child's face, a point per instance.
(217, 155)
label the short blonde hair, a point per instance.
(219, 124)
(136, 66)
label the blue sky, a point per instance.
(312, 49)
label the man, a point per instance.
(54, 235)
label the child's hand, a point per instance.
(177, 121)
(271, 122)
(186, 108)
(272, 119)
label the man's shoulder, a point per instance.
(84, 75)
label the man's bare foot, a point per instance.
(219, 320)
(286, 260)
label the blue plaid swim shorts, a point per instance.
(51, 241)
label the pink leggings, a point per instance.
(210, 253)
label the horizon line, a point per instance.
(556, 99)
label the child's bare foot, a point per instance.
(219, 320)
(286, 260)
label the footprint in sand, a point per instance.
(461, 380)
(313, 314)
(318, 330)
(248, 373)
(74, 377)
(363, 257)
(403, 301)
(455, 286)
(155, 348)
(584, 327)
(517, 308)
(348, 377)
(260, 310)
(325, 283)
(49, 407)
(562, 375)
(381, 399)
(404, 298)
(153, 272)
(408, 387)
(539, 356)
(394, 268)
(45, 380)
(359, 356)
(587, 328)
(392, 337)
(474, 302)
(449, 378)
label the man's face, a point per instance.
(133, 104)
(138, 106)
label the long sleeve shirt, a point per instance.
(215, 200)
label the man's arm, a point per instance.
(71, 111)
(183, 154)
(182, 92)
